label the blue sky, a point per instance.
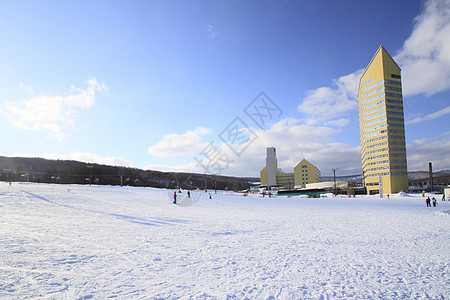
(171, 85)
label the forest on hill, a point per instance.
(21, 169)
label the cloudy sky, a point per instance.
(206, 86)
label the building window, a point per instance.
(395, 76)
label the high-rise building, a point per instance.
(304, 173)
(381, 124)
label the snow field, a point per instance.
(81, 242)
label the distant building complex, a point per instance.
(381, 123)
(271, 176)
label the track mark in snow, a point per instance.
(132, 219)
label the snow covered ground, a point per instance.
(81, 242)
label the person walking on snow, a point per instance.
(175, 197)
(428, 202)
(434, 201)
(443, 197)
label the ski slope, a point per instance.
(83, 242)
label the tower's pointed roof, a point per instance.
(385, 57)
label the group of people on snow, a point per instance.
(175, 196)
(428, 201)
(188, 195)
(433, 201)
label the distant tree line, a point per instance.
(20, 169)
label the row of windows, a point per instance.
(384, 174)
(395, 113)
(376, 139)
(393, 82)
(373, 110)
(375, 133)
(378, 174)
(376, 151)
(374, 98)
(393, 89)
(376, 126)
(398, 161)
(394, 101)
(367, 81)
(395, 119)
(366, 125)
(398, 155)
(374, 116)
(390, 130)
(398, 167)
(377, 163)
(391, 149)
(391, 142)
(396, 143)
(372, 85)
(381, 162)
(398, 173)
(380, 101)
(378, 156)
(384, 168)
(392, 155)
(381, 107)
(373, 104)
(402, 131)
(392, 95)
(375, 145)
(397, 149)
(377, 169)
(381, 88)
(394, 107)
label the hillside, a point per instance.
(75, 172)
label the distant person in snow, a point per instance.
(189, 194)
(175, 197)
(443, 197)
(210, 196)
(434, 201)
(428, 202)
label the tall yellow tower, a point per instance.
(381, 125)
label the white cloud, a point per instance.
(52, 113)
(81, 156)
(425, 55)
(293, 140)
(429, 117)
(338, 122)
(180, 144)
(328, 103)
(190, 167)
(420, 152)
